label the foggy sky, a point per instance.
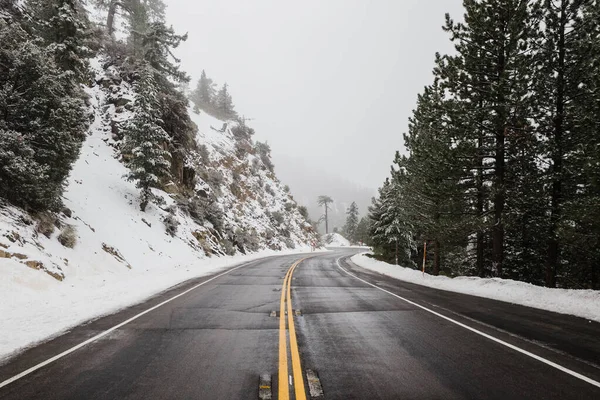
(328, 82)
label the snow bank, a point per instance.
(581, 303)
(35, 306)
(336, 240)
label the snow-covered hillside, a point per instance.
(335, 240)
(120, 254)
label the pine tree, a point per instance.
(351, 222)
(362, 231)
(578, 219)
(146, 140)
(562, 80)
(434, 178)
(64, 27)
(224, 103)
(204, 94)
(324, 201)
(494, 43)
(391, 233)
(157, 44)
(42, 122)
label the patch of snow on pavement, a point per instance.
(581, 303)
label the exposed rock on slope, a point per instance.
(224, 200)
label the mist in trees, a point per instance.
(207, 98)
(501, 173)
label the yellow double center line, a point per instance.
(284, 389)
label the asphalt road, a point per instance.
(215, 341)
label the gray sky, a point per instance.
(328, 82)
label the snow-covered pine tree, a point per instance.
(157, 43)
(146, 140)
(495, 45)
(565, 107)
(362, 230)
(390, 231)
(64, 27)
(579, 219)
(204, 95)
(42, 121)
(351, 222)
(436, 181)
(224, 103)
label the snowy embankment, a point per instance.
(336, 240)
(120, 255)
(581, 303)
(36, 307)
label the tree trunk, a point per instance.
(479, 211)
(110, 19)
(499, 196)
(556, 195)
(326, 221)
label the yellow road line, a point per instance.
(284, 389)
(284, 392)
(296, 366)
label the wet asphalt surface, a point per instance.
(215, 341)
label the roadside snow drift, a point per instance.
(581, 303)
(335, 240)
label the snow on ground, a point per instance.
(335, 240)
(581, 303)
(36, 306)
(122, 255)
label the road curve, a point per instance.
(215, 341)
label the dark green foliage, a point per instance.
(501, 176)
(157, 42)
(42, 124)
(146, 140)
(351, 223)
(362, 231)
(64, 27)
(391, 233)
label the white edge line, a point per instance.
(520, 350)
(106, 332)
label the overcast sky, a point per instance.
(330, 82)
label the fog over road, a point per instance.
(364, 336)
